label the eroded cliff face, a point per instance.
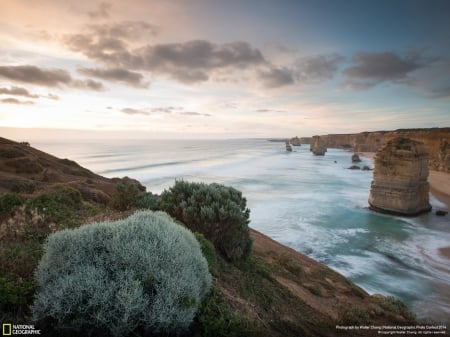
(437, 141)
(400, 177)
(318, 146)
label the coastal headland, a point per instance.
(278, 292)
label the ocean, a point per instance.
(313, 204)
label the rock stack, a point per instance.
(400, 176)
(296, 141)
(318, 146)
(355, 158)
(288, 146)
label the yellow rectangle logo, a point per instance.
(6, 329)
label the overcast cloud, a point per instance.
(46, 77)
(370, 69)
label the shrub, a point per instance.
(143, 272)
(218, 212)
(9, 202)
(59, 205)
(147, 200)
(126, 197)
(208, 251)
(15, 291)
(23, 187)
(215, 319)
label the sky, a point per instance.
(222, 69)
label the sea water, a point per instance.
(313, 204)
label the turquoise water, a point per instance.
(312, 204)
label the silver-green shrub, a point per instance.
(141, 272)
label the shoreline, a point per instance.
(439, 188)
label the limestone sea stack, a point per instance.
(355, 158)
(400, 176)
(288, 146)
(295, 141)
(318, 146)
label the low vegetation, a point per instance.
(104, 277)
(143, 272)
(217, 211)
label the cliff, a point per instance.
(26, 169)
(437, 141)
(400, 176)
(318, 146)
(277, 292)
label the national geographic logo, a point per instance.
(9, 329)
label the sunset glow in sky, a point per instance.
(222, 69)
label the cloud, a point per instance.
(132, 111)
(275, 77)
(46, 77)
(101, 12)
(316, 68)
(15, 101)
(433, 80)
(162, 110)
(193, 61)
(52, 96)
(116, 75)
(88, 85)
(191, 113)
(370, 69)
(166, 109)
(187, 62)
(34, 75)
(17, 91)
(269, 111)
(127, 30)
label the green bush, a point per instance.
(143, 272)
(59, 205)
(15, 291)
(147, 200)
(215, 319)
(218, 212)
(126, 197)
(23, 187)
(208, 251)
(9, 202)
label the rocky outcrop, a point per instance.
(355, 158)
(295, 141)
(400, 176)
(318, 146)
(288, 146)
(437, 141)
(305, 140)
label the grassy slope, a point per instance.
(278, 292)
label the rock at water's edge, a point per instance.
(318, 146)
(355, 158)
(400, 176)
